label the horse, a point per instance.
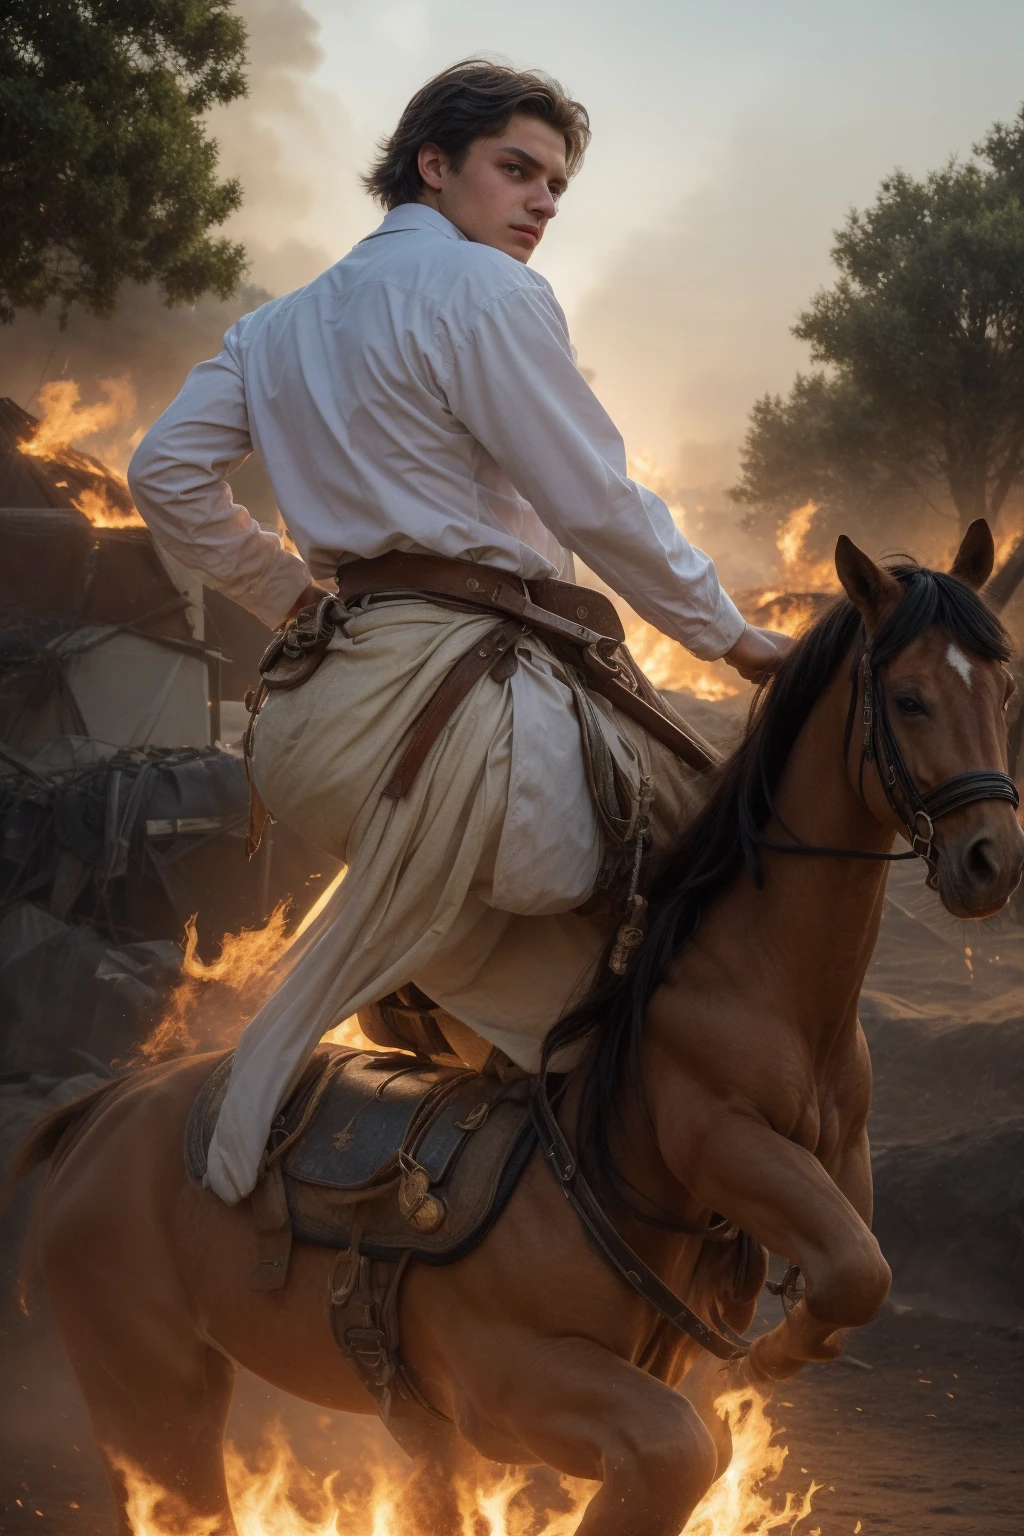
(723, 1087)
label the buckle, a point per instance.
(926, 838)
(368, 1348)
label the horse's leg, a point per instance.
(158, 1414)
(586, 1412)
(429, 1501)
(702, 1386)
(782, 1195)
(157, 1392)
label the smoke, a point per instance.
(292, 145)
(691, 324)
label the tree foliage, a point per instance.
(106, 172)
(922, 398)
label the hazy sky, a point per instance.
(729, 141)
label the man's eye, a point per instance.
(909, 706)
(515, 170)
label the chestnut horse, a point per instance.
(726, 1073)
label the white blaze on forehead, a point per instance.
(958, 661)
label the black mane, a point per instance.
(609, 1021)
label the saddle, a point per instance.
(386, 1157)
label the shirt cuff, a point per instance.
(273, 596)
(721, 634)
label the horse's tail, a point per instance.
(49, 1141)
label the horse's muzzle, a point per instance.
(979, 869)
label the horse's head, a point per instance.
(931, 719)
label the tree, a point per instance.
(922, 399)
(106, 172)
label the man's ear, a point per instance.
(867, 585)
(976, 555)
(429, 162)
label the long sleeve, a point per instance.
(513, 383)
(177, 478)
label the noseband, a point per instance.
(918, 811)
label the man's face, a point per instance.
(507, 190)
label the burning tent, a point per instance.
(120, 814)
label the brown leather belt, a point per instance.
(581, 627)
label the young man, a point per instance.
(428, 435)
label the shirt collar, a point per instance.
(417, 216)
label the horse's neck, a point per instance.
(806, 937)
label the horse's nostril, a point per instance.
(980, 863)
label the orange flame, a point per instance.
(102, 513)
(669, 666)
(220, 995)
(787, 607)
(66, 421)
(800, 569)
(281, 1497)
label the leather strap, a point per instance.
(488, 654)
(273, 1232)
(726, 1345)
(966, 788)
(602, 657)
(605, 677)
(559, 605)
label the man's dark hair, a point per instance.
(471, 100)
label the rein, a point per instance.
(919, 811)
(727, 1344)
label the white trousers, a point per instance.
(465, 886)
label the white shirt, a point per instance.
(420, 395)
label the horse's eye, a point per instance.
(909, 706)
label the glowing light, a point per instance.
(244, 973)
(800, 570)
(65, 421)
(669, 666)
(102, 513)
(279, 1496)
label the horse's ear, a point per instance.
(867, 585)
(976, 555)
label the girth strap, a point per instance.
(727, 1345)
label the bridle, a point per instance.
(918, 811)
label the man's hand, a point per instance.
(758, 652)
(307, 598)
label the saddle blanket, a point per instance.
(387, 1149)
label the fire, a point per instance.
(800, 570)
(65, 421)
(788, 612)
(216, 998)
(102, 513)
(669, 666)
(279, 1496)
